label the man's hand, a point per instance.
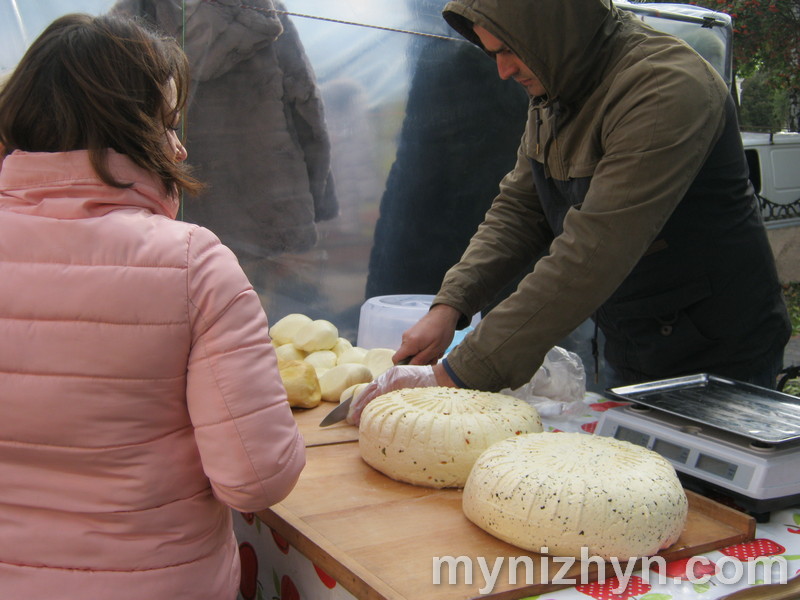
(427, 340)
(396, 378)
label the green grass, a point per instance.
(791, 292)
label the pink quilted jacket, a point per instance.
(139, 392)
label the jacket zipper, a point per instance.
(538, 125)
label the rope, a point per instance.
(342, 22)
(273, 11)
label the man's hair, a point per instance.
(92, 83)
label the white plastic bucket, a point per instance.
(383, 319)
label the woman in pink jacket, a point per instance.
(139, 392)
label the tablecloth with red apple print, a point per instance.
(272, 569)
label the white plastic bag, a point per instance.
(557, 388)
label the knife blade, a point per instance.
(337, 414)
(340, 412)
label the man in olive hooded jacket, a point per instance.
(631, 177)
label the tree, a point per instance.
(766, 41)
(763, 108)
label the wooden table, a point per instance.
(378, 537)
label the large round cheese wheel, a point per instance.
(567, 491)
(432, 436)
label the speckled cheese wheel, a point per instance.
(565, 491)
(432, 436)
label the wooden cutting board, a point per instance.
(308, 420)
(377, 537)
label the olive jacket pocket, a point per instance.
(657, 335)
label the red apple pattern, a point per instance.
(328, 581)
(679, 569)
(753, 549)
(248, 584)
(288, 589)
(604, 406)
(603, 591)
(285, 589)
(282, 544)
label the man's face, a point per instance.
(509, 65)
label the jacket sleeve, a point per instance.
(303, 105)
(514, 232)
(647, 164)
(250, 447)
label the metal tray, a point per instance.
(748, 410)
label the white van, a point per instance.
(774, 161)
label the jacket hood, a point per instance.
(561, 41)
(217, 36)
(63, 185)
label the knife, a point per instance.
(340, 412)
(337, 414)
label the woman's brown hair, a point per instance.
(92, 83)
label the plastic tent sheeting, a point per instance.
(400, 133)
(22, 20)
(351, 148)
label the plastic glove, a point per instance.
(396, 378)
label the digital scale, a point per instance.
(722, 436)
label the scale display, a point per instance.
(631, 435)
(677, 453)
(673, 452)
(717, 467)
